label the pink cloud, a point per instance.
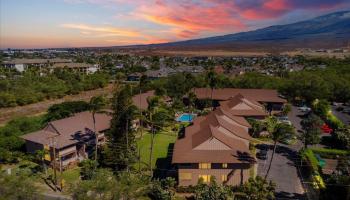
(273, 9)
(190, 18)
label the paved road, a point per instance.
(295, 117)
(284, 173)
(345, 118)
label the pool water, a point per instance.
(186, 117)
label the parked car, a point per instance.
(304, 109)
(284, 119)
(262, 154)
(346, 110)
(265, 147)
(336, 104)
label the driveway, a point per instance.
(295, 117)
(283, 172)
(345, 118)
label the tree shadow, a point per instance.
(164, 168)
(245, 157)
(328, 141)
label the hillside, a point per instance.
(331, 30)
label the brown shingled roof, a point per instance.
(64, 130)
(255, 109)
(222, 135)
(214, 126)
(140, 100)
(260, 95)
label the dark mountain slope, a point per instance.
(328, 30)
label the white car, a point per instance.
(304, 109)
(284, 119)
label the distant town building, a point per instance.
(23, 64)
(84, 68)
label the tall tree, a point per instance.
(278, 132)
(211, 78)
(191, 100)
(342, 138)
(312, 129)
(156, 117)
(321, 107)
(96, 105)
(120, 151)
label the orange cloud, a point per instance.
(109, 31)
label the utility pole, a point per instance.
(61, 173)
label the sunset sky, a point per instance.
(82, 23)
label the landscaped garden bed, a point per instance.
(327, 167)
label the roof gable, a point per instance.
(242, 106)
(212, 144)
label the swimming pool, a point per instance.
(185, 117)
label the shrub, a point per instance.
(342, 138)
(88, 169)
(311, 159)
(184, 189)
(66, 109)
(333, 121)
(7, 100)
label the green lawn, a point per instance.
(160, 149)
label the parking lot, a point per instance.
(283, 172)
(283, 169)
(344, 117)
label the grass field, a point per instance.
(160, 149)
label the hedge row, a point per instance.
(311, 158)
(329, 153)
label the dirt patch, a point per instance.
(6, 114)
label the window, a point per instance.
(205, 177)
(224, 165)
(185, 176)
(204, 166)
(224, 178)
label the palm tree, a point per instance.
(153, 103)
(191, 100)
(96, 105)
(211, 82)
(278, 132)
(156, 117)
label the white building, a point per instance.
(85, 68)
(23, 64)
